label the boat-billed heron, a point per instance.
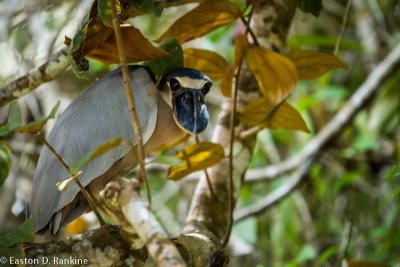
(167, 111)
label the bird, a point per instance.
(167, 111)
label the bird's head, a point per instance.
(184, 90)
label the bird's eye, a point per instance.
(206, 88)
(174, 85)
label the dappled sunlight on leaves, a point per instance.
(196, 157)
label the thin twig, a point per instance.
(206, 173)
(364, 93)
(131, 100)
(231, 186)
(357, 101)
(342, 27)
(91, 201)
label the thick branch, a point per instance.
(45, 72)
(123, 195)
(363, 94)
(209, 215)
(358, 100)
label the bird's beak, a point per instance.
(190, 110)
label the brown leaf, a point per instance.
(276, 74)
(261, 112)
(196, 157)
(209, 62)
(313, 64)
(137, 48)
(202, 19)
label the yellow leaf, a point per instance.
(77, 226)
(196, 157)
(203, 19)
(313, 64)
(209, 62)
(137, 48)
(226, 83)
(241, 45)
(276, 74)
(261, 112)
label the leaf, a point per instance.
(196, 157)
(23, 234)
(137, 48)
(261, 112)
(104, 11)
(208, 62)
(14, 120)
(310, 6)
(154, 7)
(98, 151)
(241, 45)
(5, 161)
(203, 19)
(362, 263)
(173, 60)
(36, 126)
(313, 64)
(226, 83)
(76, 54)
(77, 226)
(63, 184)
(276, 74)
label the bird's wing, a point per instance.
(99, 114)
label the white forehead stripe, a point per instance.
(191, 83)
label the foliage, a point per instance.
(354, 182)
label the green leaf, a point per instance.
(173, 60)
(75, 54)
(310, 6)
(23, 234)
(14, 120)
(393, 173)
(36, 126)
(196, 157)
(104, 9)
(98, 151)
(154, 7)
(5, 161)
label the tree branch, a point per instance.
(124, 196)
(45, 72)
(358, 100)
(209, 216)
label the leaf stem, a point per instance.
(206, 174)
(248, 28)
(131, 100)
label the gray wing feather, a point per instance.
(99, 114)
